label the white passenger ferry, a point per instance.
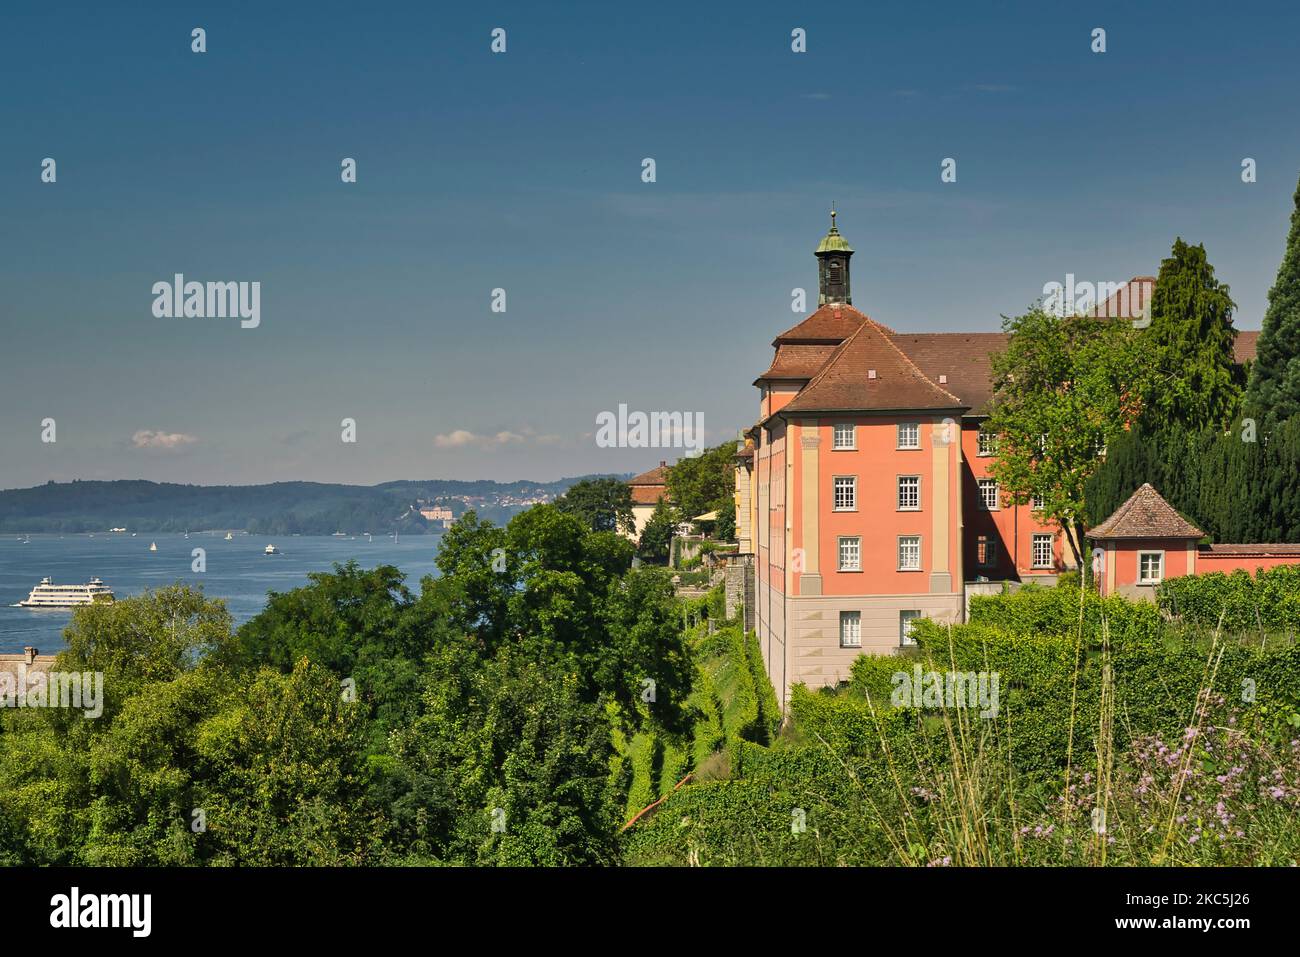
(49, 595)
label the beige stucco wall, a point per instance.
(744, 528)
(815, 655)
(771, 633)
(640, 515)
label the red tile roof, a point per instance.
(648, 487)
(1131, 301)
(797, 360)
(1243, 348)
(963, 360)
(1251, 551)
(647, 494)
(831, 323)
(656, 476)
(868, 372)
(1145, 515)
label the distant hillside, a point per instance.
(281, 508)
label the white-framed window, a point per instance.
(986, 551)
(1042, 443)
(905, 620)
(1151, 568)
(909, 553)
(850, 554)
(987, 442)
(1099, 446)
(1036, 500)
(846, 493)
(909, 435)
(850, 629)
(909, 493)
(988, 494)
(1042, 550)
(845, 436)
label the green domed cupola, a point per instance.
(833, 254)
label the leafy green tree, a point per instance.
(602, 504)
(149, 637)
(647, 666)
(336, 621)
(513, 763)
(1275, 377)
(1063, 388)
(478, 577)
(657, 536)
(1191, 374)
(707, 483)
(146, 773)
(284, 774)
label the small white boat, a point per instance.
(229, 537)
(153, 546)
(271, 550)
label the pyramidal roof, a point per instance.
(833, 323)
(1145, 515)
(867, 372)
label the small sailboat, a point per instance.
(229, 537)
(153, 546)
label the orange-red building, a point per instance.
(864, 493)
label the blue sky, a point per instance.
(522, 171)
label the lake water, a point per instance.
(237, 570)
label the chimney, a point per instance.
(30, 654)
(663, 463)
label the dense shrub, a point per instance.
(1268, 601)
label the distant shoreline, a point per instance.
(277, 509)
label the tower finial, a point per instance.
(832, 215)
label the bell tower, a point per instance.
(833, 267)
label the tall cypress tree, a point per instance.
(1274, 388)
(1194, 379)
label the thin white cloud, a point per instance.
(149, 439)
(463, 438)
